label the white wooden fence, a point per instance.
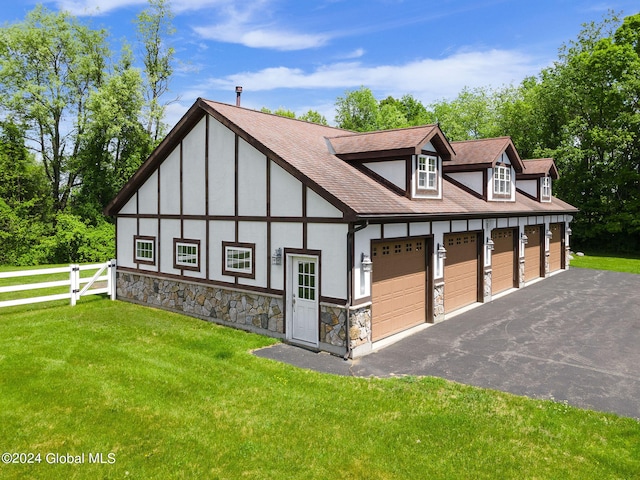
(74, 281)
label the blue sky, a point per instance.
(302, 55)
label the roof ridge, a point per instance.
(351, 133)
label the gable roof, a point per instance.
(483, 153)
(302, 149)
(385, 143)
(539, 167)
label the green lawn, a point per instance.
(175, 397)
(616, 263)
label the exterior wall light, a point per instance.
(490, 245)
(524, 239)
(549, 234)
(568, 230)
(276, 258)
(442, 252)
(366, 263)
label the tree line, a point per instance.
(77, 120)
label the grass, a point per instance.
(174, 397)
(616, 263)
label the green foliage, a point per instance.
(73, 241)
(314, 117)
(357, 110)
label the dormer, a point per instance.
(486, 168)
(537, 177)
(408, 161)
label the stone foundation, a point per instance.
(521, 273)
(333, 325)
(486, 290)
(438, 302)
(359, 326)
(248, 311)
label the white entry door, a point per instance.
(303, 300)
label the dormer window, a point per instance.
(427, 172)
(502, 180)
(546, 187)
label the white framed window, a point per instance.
(502, 180)
(144, 250)
(427, 172)
(186, 254)
(238, 259)
(546, 187)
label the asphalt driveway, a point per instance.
(573, 337)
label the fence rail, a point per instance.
(74, 282)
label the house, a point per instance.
(330, 239)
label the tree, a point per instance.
(154, 27)
(49, 65)
(357, 110)
(314, 117)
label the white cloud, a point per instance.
(260, 37)
(101, 7)
(427, 79)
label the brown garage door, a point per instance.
(533, 253)
(555, 247)
(399, 286)
(502, 259)
(460, 270)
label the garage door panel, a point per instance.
(555, 247)
(502, 259)
(399, 286)
(533, 253)
(460, 271)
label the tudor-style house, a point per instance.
(330, 239)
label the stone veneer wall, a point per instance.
(438, 301)
(359, 326)
(249, 311)
(521, 273)
(333, 325)
(486, 291)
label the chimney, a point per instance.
(238, 93)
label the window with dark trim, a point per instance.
(144, 250)
(238, 259)
(427, 170)
(502, 180)
(186, 254)
(546, 187)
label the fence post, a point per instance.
(111, 279)
(74, 280)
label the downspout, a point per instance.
(350, 258)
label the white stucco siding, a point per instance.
(193, 170)
(252, 181)
(395, 230)
(419, 228)
(170, 184)
(459, 226)
(475, 224)
(124, 247)
(148, 195)
(429, 147)
(528, 186)
(362, 244)
(169, 229)
(331, 239)
(221, 169)
(283, 235)
(286, 193)
(197, 230)
(131, 207)
(393, 170)
(219, 231)
(319, 207)
(256, 233)
(472, 180)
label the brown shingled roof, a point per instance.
(301, 148)
(539, 167)
(484, 153)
